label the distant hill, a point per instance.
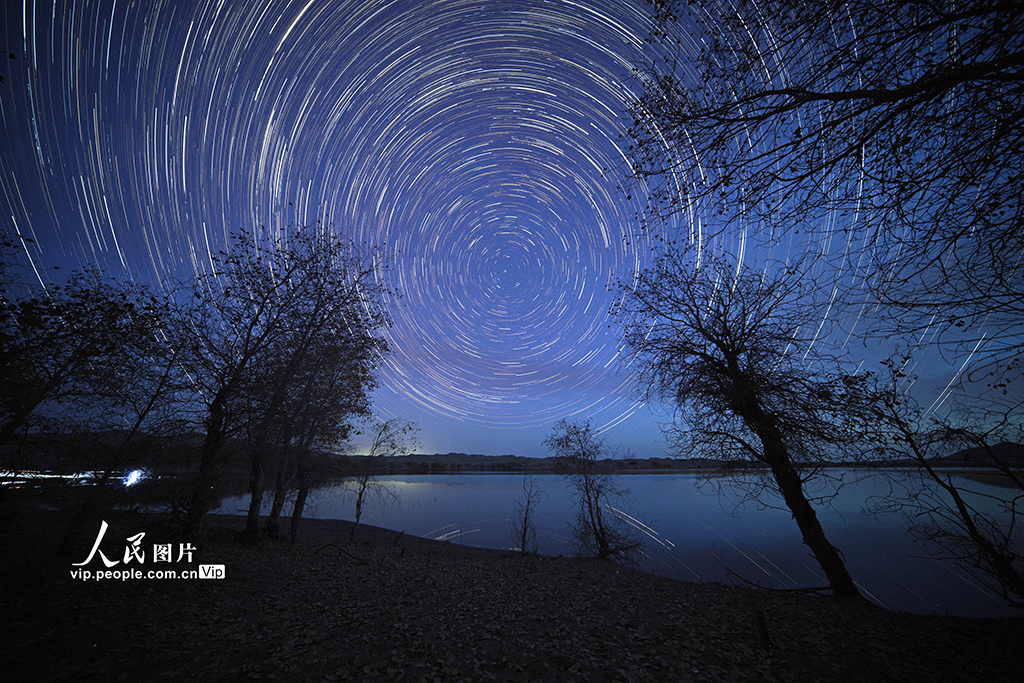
(1005, 454)
(1009, 453)
(178, 456)
(465, 462)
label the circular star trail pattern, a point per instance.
(468, 138)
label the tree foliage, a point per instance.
(599, 532)
(63, 350)
(733, 351)
(972, 523)
(891, 134)
(276, 320)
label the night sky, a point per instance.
(469, 138)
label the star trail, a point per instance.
(469, 138)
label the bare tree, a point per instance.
(271, 303)
(972, 525)
(56, 345)
(232, 315)
(598, 531)
(732, 350)
(333, 289)
(524, 528)
(391, 438)
(131, 413)
(90, 362)
(330, 400)
(891, 131)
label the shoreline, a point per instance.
(394, 607)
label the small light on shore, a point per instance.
(133, 477)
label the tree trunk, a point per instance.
(300, 501)
(271, 527)
(989, 557)
(199, 502)
(280, 493)
(776, 456)
(828, 557)
(252, 522)
(359, 512)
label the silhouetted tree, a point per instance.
(390, 438)
(891, 130)
(257, 318)
(232, 314)
(524, 528)
(972, 525)
(336, 300)
(59, 346)
(326, 420)
(92, 363)
(597, 529)
(732, 350)
(132, 413)
(330, 393)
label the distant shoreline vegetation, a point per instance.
(44, 453)
(453, 463)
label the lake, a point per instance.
(691, 532)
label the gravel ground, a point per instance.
(393, 608)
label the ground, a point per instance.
(392, 608)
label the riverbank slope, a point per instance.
(393, 608)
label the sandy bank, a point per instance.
(394, 608)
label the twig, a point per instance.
(762, 630)
(343, 552)
(757, 584)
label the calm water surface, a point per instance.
(691, 532)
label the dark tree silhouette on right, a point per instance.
(890, 134)
(959, 513)
(732, 351)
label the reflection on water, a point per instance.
(691, 533)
